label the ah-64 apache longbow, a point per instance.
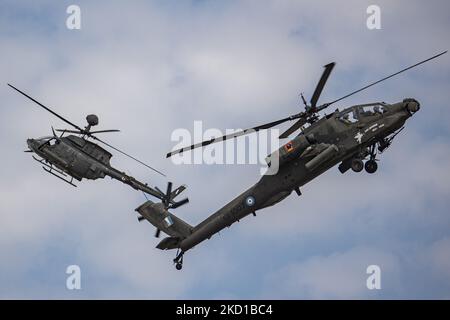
(347, 137)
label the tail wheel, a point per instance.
(357, 165)
(371, 166)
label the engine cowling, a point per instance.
(289, 151)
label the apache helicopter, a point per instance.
(347, 137)
(74, 156)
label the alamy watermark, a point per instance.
(374, 279)
(251, 148)
(73, 281)
(73, 21)
(373, 21)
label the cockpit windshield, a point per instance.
(357, 113)
(44, 139)
(50, 140)
(348, 117)
(371, 110)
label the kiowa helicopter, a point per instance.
(75, 157)
(346, 137)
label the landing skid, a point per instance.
(59, 174)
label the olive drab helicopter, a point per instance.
(75, 157)
(347, 137)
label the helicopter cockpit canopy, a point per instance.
(45, 138)
(50, 140)
(359, 112)
(372, 109)
(349, 116)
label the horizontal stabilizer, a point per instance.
(169, 243)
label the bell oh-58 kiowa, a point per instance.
(346, 137)
(73, 156)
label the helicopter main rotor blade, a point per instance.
(87, 133)
(46, 108)
(104, 131)
(126, 154)
(323, 79)
(293, 128)
(69, 131)
(235, 134)
(385, 78)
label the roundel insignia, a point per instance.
(250, 201)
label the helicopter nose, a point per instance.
(412, 105)
(31, 143)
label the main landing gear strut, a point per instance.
(370, 166)
(179, 260)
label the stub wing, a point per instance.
(320, 153)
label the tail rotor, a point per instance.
(167, 199)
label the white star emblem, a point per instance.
(359, 136)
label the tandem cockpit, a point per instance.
(360, 112)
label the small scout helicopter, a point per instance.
(76, 157)
(347, 137)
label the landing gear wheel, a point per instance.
(179, 266)
(371, 166)
(357, 165)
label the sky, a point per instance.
(150, 67)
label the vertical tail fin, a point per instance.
(163, 220)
